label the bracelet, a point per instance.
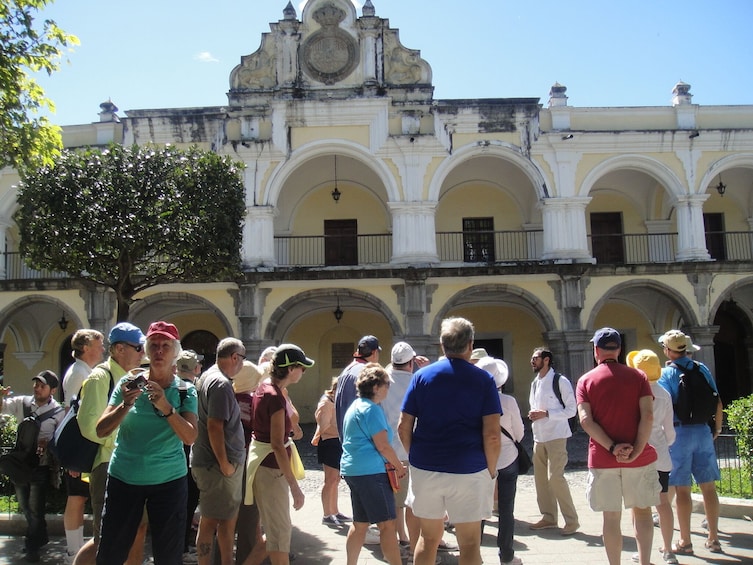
(611, 448)
(127, 405)
(172, 411)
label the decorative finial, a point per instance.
(289, 12)
(368, 9)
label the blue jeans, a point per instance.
(32, 499)
(124, 508)
(507, 485)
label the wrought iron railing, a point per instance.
(485, 247)
(13, 267)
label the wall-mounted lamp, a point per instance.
(336, 193)
(721, 188)
(63, 322)
(693, 134)
(568, 136)
(338, 313)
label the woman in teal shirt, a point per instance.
(156, 414)
(367, 446)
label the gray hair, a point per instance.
(229, 346)
(455, 336)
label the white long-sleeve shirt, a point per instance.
(513, 423)
(542, 397)
(663, 429)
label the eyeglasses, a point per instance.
(535, 357)
(241, 356)
(138, 348)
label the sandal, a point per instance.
(713, 546)
(686, 549)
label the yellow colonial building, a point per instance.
(374, 208)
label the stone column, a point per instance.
(249, 302)
(413, 232)
(573, 354)
(414, 298)
(703, 336)
(259, 237)
(691, 237)
(565, 235)
(100, 304)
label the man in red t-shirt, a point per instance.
(615, 406)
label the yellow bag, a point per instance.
(295, 462)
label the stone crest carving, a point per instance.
(329, 54)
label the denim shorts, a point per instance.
(372, 498)
(693, 454)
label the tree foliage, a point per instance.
(26, 48)
(133, 217)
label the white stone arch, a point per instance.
(325, 148)
(641, 163)
(506, 151)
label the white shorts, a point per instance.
(465, 498)
(637, 487)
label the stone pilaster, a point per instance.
(703, 336)
(570, 294)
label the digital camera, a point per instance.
(139, 381)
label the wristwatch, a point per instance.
(170, 413)
(611, 447)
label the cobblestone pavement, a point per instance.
(314, 543)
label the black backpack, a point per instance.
(558, 393)
(696, 399)
(23, 459)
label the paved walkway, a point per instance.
(314, 543)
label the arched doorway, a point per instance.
(204, 343)
(732, 364)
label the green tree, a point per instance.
(133, 217)
(25, 47)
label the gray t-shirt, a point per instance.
(217, 400)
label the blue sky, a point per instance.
(174, 54)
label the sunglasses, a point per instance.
(139, 348)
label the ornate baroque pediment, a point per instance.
(329, 52)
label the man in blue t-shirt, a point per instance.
(693, 451)
(449, 426)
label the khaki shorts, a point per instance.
(636, 487)
(219, 496)
(272, 496)
(465, 498)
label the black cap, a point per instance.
(367, 346)
(48, 378)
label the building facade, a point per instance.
(374, 208)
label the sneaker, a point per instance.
(68, 558)
(190, 558)
(635, 558)
(331, 521)
(655, 518)
(705, 524)
(372, 537)
(446, 546)
(513, 561)
(343, 518)
(669, 558)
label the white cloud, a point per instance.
(206, 57)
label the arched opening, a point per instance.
(204, 343)
(732, 363)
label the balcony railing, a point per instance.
(333, 250)
(15, 268)
(492, 247)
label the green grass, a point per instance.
(735, 483)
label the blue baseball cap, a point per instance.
(127, 332)
(607, 338)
